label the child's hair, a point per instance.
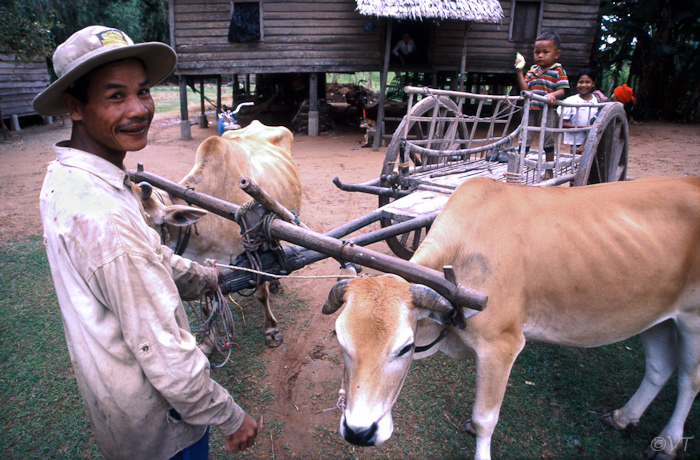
(550, 36)
(587, 72)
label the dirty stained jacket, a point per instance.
(144, 381)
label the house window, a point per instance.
(246, 21)
(525, 20)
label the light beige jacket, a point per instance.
(127, 332)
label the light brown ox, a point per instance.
(583, 267)
(260, 152)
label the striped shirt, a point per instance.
(551, 80)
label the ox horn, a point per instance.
(428, 298)
(146, 190)
(335, 297)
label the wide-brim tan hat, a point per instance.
(92, 47)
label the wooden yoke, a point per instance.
(459, 296)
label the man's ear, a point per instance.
(73, 105)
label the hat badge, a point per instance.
(112, 37)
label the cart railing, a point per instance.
(443, 141)
(531, 164)
(494, 114)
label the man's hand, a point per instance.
(244, 437)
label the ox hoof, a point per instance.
(467, 427)
(275, 287)
(207, 349)
(609, 421)
(654, 450)
(273, 339)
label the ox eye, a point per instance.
(406, 349)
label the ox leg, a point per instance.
(207, 346)
(660, 350)
(492, 373)
(273, 336)
(670, 440)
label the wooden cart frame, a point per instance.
(449, 137)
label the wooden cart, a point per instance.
(448, 137)
(436, 147)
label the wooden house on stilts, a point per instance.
(20, 82)
(459, 42)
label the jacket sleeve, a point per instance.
(192, 279)
(139, 288)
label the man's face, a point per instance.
(546, 53)
(119, 110)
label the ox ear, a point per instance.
(145, 190)
(335, 297)
(181, 216)
(439, 308)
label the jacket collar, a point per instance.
(90, 163)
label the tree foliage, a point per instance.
(658, 42)
(142, 20)
(34, 28)
(25, 30)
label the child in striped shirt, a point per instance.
(546, 78)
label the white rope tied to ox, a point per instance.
(233, 267)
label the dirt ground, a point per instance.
(656, 149)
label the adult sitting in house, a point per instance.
(405, 49)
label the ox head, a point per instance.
(377, 332)
(161, 210)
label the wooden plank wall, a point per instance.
(490, 51)
(20, 82)
(299, 36)
(328, 36)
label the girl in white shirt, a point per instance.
(578, 117)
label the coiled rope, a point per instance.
(214, 321)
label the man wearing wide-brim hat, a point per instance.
(144, 381)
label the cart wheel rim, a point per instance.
(607, 148)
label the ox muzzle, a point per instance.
(358, 436)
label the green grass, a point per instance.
(551, 408)
(42, 415)
(167, 98)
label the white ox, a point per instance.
(261, 153)
(581, 267)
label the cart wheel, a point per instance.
(405, 245)
(605, 155)
(454, 129)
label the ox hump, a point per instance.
(257, 132)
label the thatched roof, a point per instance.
(463, 10)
